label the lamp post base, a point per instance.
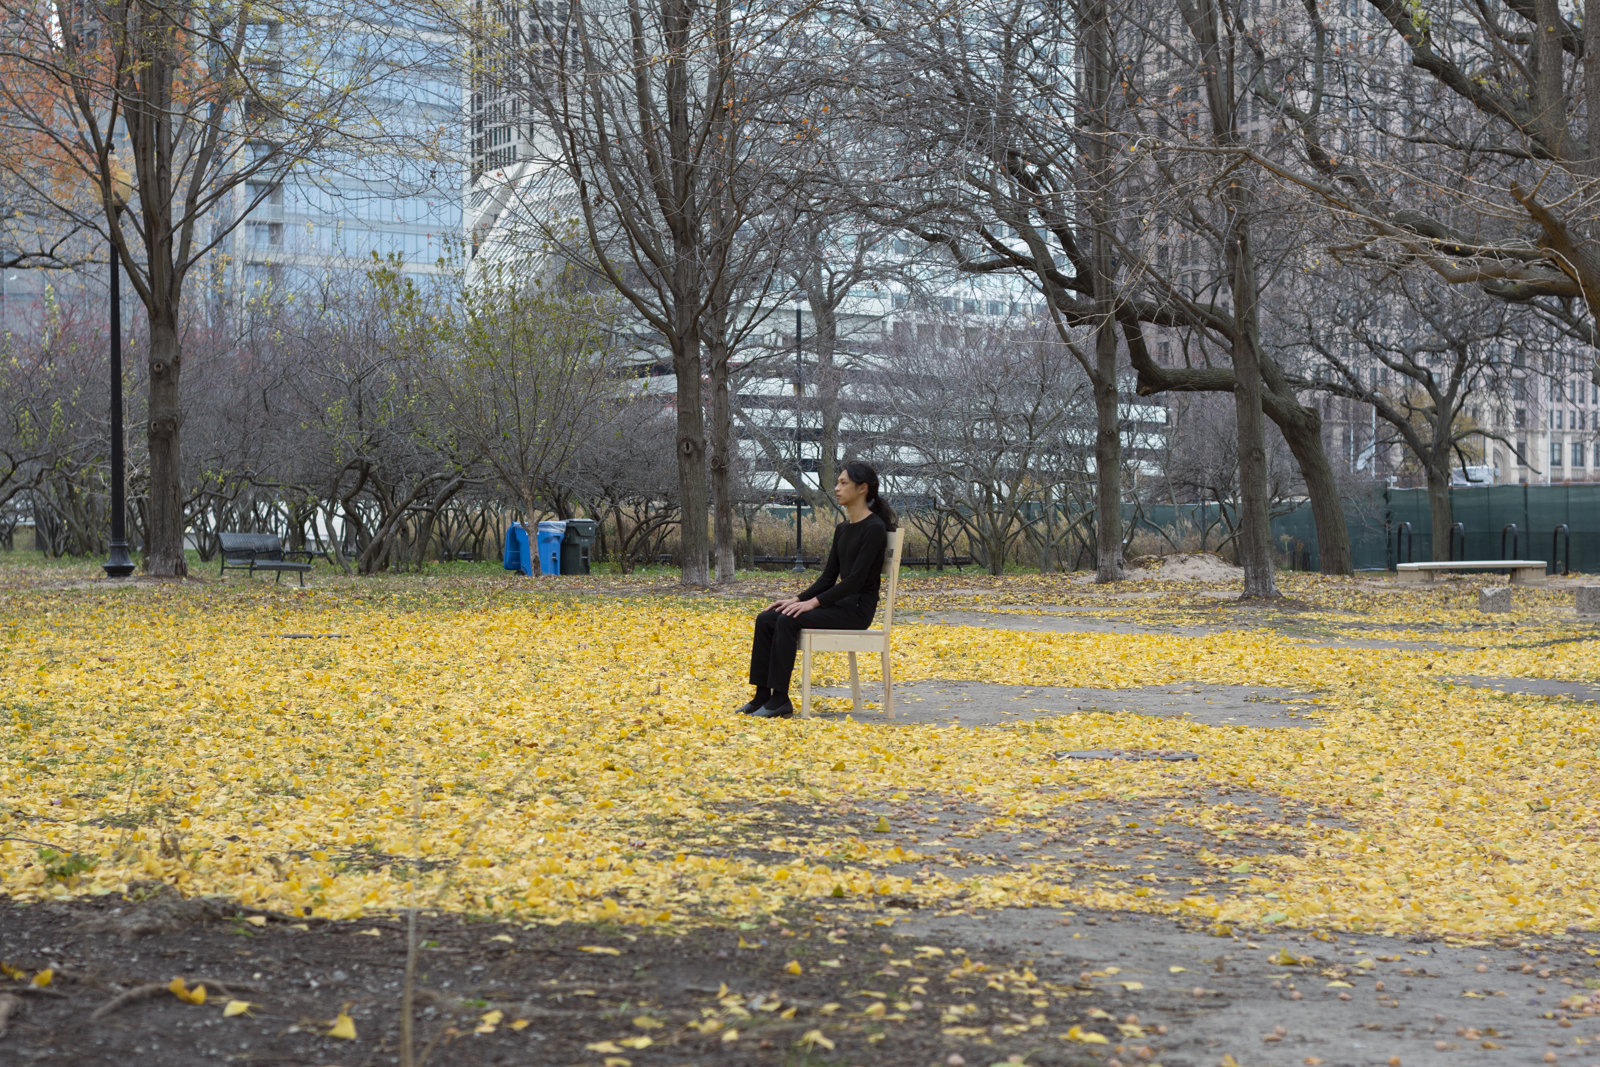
(118, 564)
(799, 566)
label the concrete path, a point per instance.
(1363, 999)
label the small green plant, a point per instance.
(61, 866)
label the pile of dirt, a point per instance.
(1184, 567)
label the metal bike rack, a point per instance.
(1509, 528)
(1403, 533)
(1561, 535)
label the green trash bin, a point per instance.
(577, 545)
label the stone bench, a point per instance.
(1523, 571)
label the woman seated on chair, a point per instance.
(844, 598)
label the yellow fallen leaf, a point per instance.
(488, 1022)
(616, 1061)
(600, 950)
(12, 972)
(640, 1041)
(507, 938)
(644, 1022)
(1088, 1037)
(813, 1038)
(256, 920)
(1336, 984)
(793, 967)
(1132, 987)
(731, 1035)
(343, 1026)
(788, 1013)
(235, 1007)
(603, 1046)
(1284, 958)
(882, 825)
(1229, 1061)
(1100, 1013)
(1174, 969)
(43, 978)
(520, 1024)
(374, 932)
(179, 989)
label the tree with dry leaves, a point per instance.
(194, 103)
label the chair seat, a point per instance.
(843, 640)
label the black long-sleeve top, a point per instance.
(855, 563)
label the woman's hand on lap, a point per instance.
(794, 608)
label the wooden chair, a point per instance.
(853, 641)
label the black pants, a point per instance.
(777, 637)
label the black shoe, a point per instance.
(750, 708)
(770, 711)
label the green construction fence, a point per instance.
(1559, 524)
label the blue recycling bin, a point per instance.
(551, 534)
(519, 555)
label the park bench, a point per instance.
(853, 641)
(1523, 571)
(260, 552)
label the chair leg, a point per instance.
(888, 688)
(855, 685)
(805, 677)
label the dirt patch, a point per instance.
(1183, 567)
(503, 994)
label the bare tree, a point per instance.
(1456, 137)
(204, 98)
(520, 372)
(1417, 353)
(665, 129)
(985, 427)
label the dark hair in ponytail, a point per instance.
(863, 474)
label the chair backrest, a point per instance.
(897, 539)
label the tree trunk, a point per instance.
(1304, 437)
(1107, 410)
(825, 329)
(691, 448)
(163, 548)
(1255, 528)
(721, 439)
(1439, 504)
(1107, 456)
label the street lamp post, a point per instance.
(799, 389)
(118, 564)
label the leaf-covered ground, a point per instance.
(548, 752)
